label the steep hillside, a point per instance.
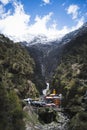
(38, 77)
(16, 71)
(55, 55)
(44, 56)
(71, 80)
(17, 67)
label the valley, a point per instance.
(25, 68)
(65, 69)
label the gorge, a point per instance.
(64, 64)
(25, 69)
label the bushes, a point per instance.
(11, 114)
(16, 70)
(79, 121)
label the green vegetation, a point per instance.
(21, 76)
(11, 114)
(38, 57)
(71, 79)
(16, 74)
(31, 117)
(16, 68)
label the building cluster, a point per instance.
(51, 100)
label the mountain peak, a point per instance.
(43, 39)
(85, 24)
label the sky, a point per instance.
(22, 20)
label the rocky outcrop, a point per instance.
(45, 119)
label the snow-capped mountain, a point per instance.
(42, 39)
(72, 35)
(48, 53)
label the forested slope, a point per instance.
(16, 73)
(71, 80)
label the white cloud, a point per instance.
(1, 10)
(40, 25)
(3, 14)
(5, 1)
(46, 1)
(80, 22)
(17, 25)
(73, 10)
